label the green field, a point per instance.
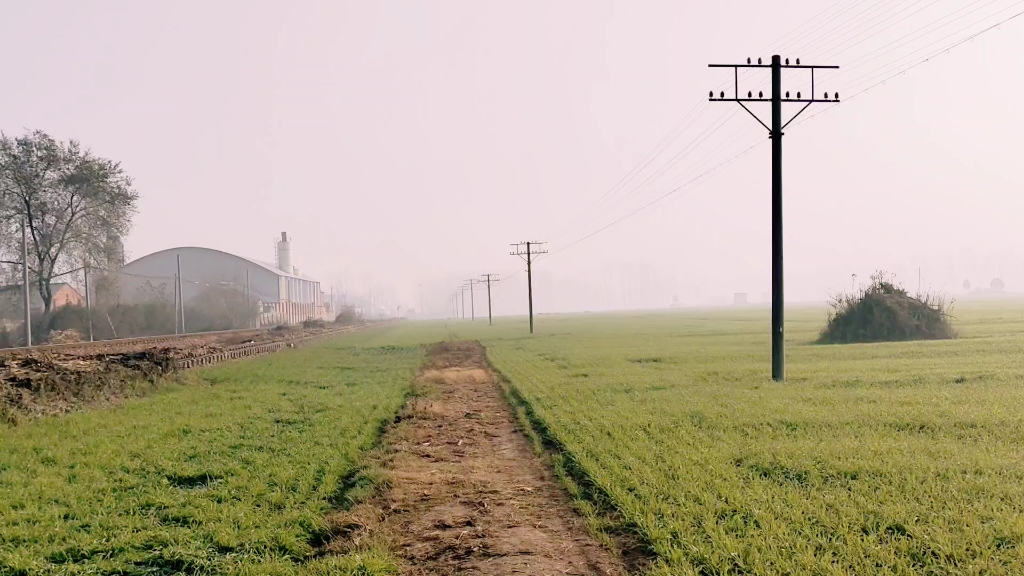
(882, 458)
(230, 474)
(886, 458)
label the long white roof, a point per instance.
(266, 265)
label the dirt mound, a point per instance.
(465, 493)
(36, 385)
(885, 312)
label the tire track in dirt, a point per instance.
(465, 493)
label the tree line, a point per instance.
(77, 208)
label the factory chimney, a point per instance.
(284, 254)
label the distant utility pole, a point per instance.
(181, 297)
(531, 251)
(775, 133)
(490, 278)
(24, 279)
(88, 302)
(463, 290)
(455, 304)
(472, 301)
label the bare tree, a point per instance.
(73, 202)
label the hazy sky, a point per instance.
(407, 143)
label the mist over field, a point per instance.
(404, 145)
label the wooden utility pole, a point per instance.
(531, 251)
(776, 98)
(472, 301)
(489, 278)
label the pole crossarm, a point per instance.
(783, 100)
(801, 66)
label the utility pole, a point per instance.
(777, 98)
(531, 251)
(490, 278)
(248, 301)
(88, 302)
(181, 297)
(463, 290)
(175, 303)
(24, 280)
(472, 300)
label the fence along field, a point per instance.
(230, 474)
(880, 458)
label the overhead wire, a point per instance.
(687, 185)
(837, 47)
(867, 77)
(925, 60)
(702, 106)
(830, 34)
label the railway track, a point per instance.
(194, 350)
(140, 342)
(260, 348)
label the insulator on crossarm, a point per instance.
(837, 95)
(797, 61)
(758, 60)
(798, 95)
(722, 95)
(826, 95)
(787, 94)
(787, 61)
(760, 94)
(748, 60)
(750, 94)
(711, 94)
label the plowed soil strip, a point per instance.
(467, 493)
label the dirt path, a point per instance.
(467, 493)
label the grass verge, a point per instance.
(231, 474)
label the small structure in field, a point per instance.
(884, 311)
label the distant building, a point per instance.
(282, 294)
(12, 299)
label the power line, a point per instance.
(938, 52)
(662, 197)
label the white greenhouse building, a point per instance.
(283, 295)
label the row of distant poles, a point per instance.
(525, 250)
(471, 284)
(775, 133)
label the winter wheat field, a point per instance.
(661, 433)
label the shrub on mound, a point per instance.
(885, 312)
